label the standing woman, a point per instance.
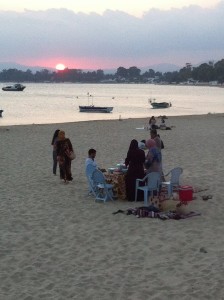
(53, 143)
(135, 161)
(153, 157)
(63, 148)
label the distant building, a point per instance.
(214, 82)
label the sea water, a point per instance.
(44, 103)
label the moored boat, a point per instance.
(95, 109)
(160, 104)
(14, 88)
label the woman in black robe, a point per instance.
(63, 147)
(135, 161)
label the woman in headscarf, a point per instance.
(153, 157)
(135, 161)
(63, 148)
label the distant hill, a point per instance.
(157, 68)
(162, 68)
(12, 65)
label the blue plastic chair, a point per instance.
(89, 172)
(103, 190)
(152, 183)
(174, 180)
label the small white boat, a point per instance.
(95, 109)
(14, 88)
(1, 111)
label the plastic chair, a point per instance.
(174, 180)
(103, 190)
(152, 183)
(89, 172)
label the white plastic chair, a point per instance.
(174, 180)
(152, 183)
(103, 190)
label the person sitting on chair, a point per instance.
(91, 159)
(91, 156)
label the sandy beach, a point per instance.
(58, 243)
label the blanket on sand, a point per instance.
(152, 212)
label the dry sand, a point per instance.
(57, 243)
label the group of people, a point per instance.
(162, 125)
(62, 148)
(139, 163)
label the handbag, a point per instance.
(71, 155)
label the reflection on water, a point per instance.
(59, 103)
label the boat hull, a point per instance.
(14, 88)
(160, 105)
(95, 109)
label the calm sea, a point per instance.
(46, 103)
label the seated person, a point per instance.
(163, 124)
(91, 159)
(90, 167)
(152, 123)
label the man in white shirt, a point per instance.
(90, 160)
(90, 166)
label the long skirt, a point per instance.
(130, 182)
(65, 168)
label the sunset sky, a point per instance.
(105, 34)
(136, 8)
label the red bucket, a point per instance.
(185, 193)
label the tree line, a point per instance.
(205, 72)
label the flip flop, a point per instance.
(207, 197)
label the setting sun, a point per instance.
(60, 67)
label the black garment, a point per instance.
(62, 147)
(55, 162)
(135, 162)
(53, 143)
(154, 127)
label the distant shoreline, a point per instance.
(145, 120)
(206, 84)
